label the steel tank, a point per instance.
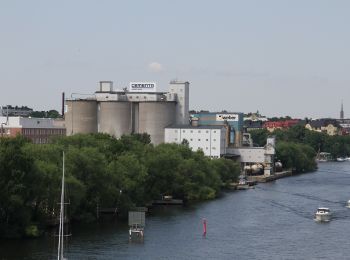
(114, 118)
(81, 116)
(154, 117)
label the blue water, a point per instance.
(272, 221)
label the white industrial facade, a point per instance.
(210, 139)
(138, 110)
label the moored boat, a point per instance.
(242, 184)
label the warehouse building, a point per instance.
(38, 130)
(139, 109)
(233, 122)
(210, 139)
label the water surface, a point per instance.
(272, 221)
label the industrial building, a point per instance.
(38, 130)
(221, 134)
(138, 109)
(233, 122)
(210, 139)
(15, 111)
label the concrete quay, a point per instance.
(275, 176)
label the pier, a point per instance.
(276, 176)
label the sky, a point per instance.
(276, 56)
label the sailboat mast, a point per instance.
(61, 228)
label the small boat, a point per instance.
(341, 159)
(348, 204)
(242, 184)
(323, 157)
(323, 215)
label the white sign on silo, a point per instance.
(142, 87)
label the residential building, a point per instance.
(327, 125)
(273, 125)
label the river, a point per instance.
(272, 221)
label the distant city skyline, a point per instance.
(277, 56)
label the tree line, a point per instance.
(308, 142)
(101, 171)
(337, 146)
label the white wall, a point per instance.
(249, 154)
(181, 90)
(210, 141)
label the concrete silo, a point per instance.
(154, 117)
(81, 116)
(114, 118)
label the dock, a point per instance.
(168, 202)
(273, 177)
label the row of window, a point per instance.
(198, 139)
(137, 97)
(41, 131)
(198, 131)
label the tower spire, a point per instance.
(342, 111)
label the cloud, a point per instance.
(155, 67)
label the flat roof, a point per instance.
(204, 112)
(197, 127)
(130, 92)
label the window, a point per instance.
(214, 140)
(175, 131)
(207, 131)
(191, 139)
(183, 131)
(199, 131)
(199, 139)
(175, 139)
(206, 148)
(191, 131)
(207, 140)
(214, 132)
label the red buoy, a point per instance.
(204, 227)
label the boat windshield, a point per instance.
(323, 210)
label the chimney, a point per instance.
(62, 105)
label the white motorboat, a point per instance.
(341, 159)
(323, 215)
(242, 184)
(348, 204)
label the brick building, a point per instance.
(38, 130)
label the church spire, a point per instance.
(342, 111)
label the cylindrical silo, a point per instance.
(154, 117)
(81, 116)
(114, 118)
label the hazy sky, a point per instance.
(278, 57)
